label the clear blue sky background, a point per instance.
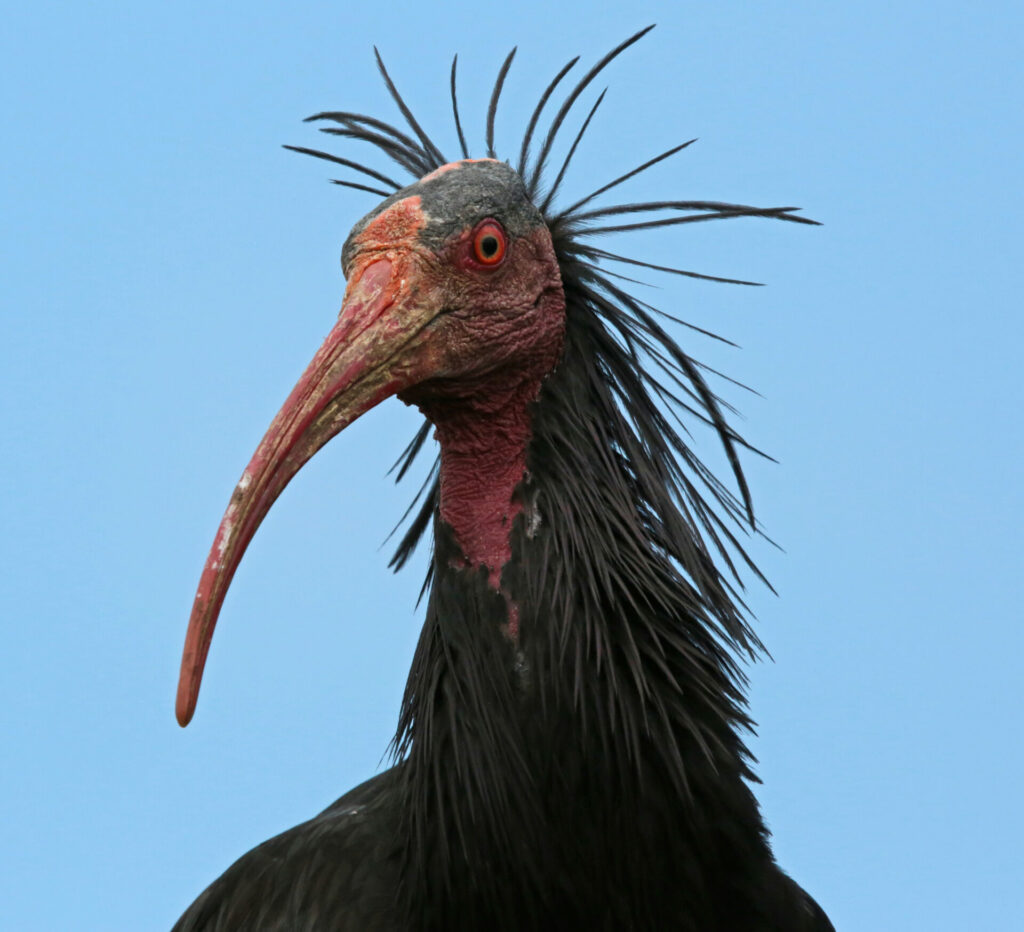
(167, 270)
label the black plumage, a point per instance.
(590, 773)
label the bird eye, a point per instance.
(489, 243)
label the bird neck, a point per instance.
(609, 722)
(484, 438)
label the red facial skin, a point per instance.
(470, 344)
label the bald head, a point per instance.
(454, 198)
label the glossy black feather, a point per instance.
(492, 107)
(615, 257)
(334, 872)
(429, 148)
(524, 150)
(455, 111)
(553, 189)
(567, 104)
(625, 177)
(348, 163)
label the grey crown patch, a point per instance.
(459, 198)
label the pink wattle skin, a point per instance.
(483, 460)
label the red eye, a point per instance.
(489, 243)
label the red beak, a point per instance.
(365, 358)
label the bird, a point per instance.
(570, 750)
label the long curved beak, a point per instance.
(365, 359)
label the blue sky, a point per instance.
(167, 270)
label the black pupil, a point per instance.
(489, 246)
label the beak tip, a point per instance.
(185, 705)
(197, 642)
(183, 715)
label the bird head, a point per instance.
(453, 289)
(471, 284)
